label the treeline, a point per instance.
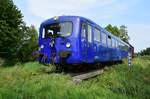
(17, 40)
(145, 52)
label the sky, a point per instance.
(135, 14)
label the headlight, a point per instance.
(42, 46)
(68, 45)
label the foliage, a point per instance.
(124, 33)
(27, 81)
(10, 29)
(17, 41)
(145, 51)
(29, 45)
(113, 29)
(119, 32)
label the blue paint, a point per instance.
(81, 50)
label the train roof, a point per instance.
(64, 17)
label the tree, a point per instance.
(11, 25)
(120, 32)
(29, 44)
(109, 28)
(113, 29)
(17, 41)
(124, 33)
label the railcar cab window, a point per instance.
(89, 33)
(57, 29)
(96, 35)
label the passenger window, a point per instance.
(124, 47)
(104, 38)
(89, 33)
(119, 45)
(83, 30)
(96, 35)
(113, 43)
(116, 44)
(109, 40)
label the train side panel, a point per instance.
(106, 48)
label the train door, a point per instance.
(89, 47)
(86, 42)
(83, 41)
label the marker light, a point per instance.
(42, 46)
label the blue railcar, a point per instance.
(74, 39)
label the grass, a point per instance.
(32, 81)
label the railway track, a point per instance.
(85, 72)
(77, 78)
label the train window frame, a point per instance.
(89, 33)
(83, 35)
(104, 38)
(117, 44)
(97, 37)
(43, 32)
(121, 45)
(113, 42)
(44, 28)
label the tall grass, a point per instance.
(31, 81)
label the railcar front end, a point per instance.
(58, 40)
